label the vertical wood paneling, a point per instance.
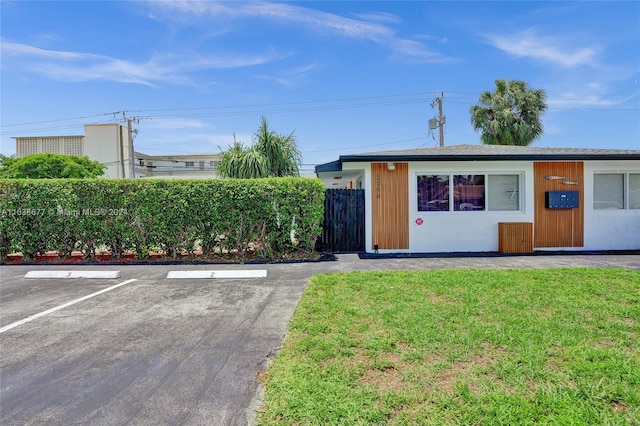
(390, 206)
(558, 227)
(515, 237)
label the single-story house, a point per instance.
(482, 198)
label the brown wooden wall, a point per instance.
(390, 206)
(515, 237)
(558, 227)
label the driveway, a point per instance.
(146, 350)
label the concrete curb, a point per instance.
(72, 274)
(258, 273)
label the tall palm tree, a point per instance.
(511, 115)
(271, 155)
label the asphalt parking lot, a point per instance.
(143, 349)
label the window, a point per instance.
(503, 192)
(189, 164)
(469, 192)
(433, 193)
(616, 191)
(634, 191)
(608, 191)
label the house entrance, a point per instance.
(390, 205)
(558, 225)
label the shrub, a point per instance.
(274, 217)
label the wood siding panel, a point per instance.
(515, 237)
(558, 227)
(390, 206)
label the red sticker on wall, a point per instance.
(419, 221)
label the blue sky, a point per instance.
(347, 77)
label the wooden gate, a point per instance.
(343, 228)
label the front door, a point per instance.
(390, 205)
(558, 227)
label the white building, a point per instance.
(110, 144)
(192, 166)
(483, 198)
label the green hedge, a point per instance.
(273, 218)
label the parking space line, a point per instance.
(73, 274)
(257, 273)
(65, 305)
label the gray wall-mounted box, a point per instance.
(561, 199)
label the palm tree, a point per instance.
(271, 155)
(510, 115)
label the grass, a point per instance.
(461, 347)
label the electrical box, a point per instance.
(561, 199)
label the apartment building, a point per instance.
(111, 145)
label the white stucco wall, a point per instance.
(477, 231)
(609, 229)
(102, 143)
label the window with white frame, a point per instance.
(189, 164)
(477, 192)
(634, 190)
(616, 191)
(468, 192)
(433, 193)
(503, 192)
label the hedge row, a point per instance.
(273, 217)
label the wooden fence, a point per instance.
(343, 228)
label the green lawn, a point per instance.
(461, 347)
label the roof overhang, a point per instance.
(475, 157)
(482, 153)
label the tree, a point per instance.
(510, 115)
(271, 155)
(50, 166)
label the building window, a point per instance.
(634, 190)
(189, 164)
(616, 191)
(141, 162)
(433, 193)
(468, 192)
(503, 192)
(608, 191)
(499, 192)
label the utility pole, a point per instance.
(441, 120)
(130, 133)
(132, 166)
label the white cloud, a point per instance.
(290, 78)
(174, 68)
(324, 22)
(381, 17)
(18, 49)
(529, 44)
